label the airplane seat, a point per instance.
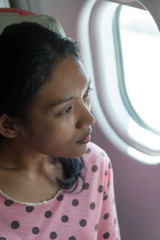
(13, 15)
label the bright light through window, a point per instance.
(140, 45)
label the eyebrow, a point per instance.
(61, 101)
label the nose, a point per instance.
(85, 118)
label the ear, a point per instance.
(7, 127)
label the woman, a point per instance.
(55, 183)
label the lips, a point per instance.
(85, 138)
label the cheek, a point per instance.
(64, 129)
(56, 130)
(50, 134)
(58, 140)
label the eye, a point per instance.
(66, 111)
(87, 93)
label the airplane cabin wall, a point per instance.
(136, 184)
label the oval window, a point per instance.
(140, 51)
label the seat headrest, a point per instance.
(7, 18)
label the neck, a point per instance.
(35, 174)
(14, 155)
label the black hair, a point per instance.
(29, 54)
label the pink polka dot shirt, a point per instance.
(87, 215)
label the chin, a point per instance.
(78, 152)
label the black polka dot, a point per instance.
(95, 168)
(92, 205)
(105, 197)
(3, 238)
(106, 235)
(105, 173)
(100, 188)
(35, 230)
(72, 238)
(96, 227)
(83, 223)
(88, 150)
(60, 197)
(115, 220)
(75, 202)
(64, 218)
(53, 235)
(106, 215)
(15, 224)
(8, 203)
(85, 185)
(29, 209)
(48, 214)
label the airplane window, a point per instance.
(140, 46)
(121, 52)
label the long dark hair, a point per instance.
(29, 54)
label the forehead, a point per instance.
(69, 71)
(68, 78)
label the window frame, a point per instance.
(108, 106)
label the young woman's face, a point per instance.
(60, 120)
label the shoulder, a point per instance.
(95, 155)
(98, 167)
